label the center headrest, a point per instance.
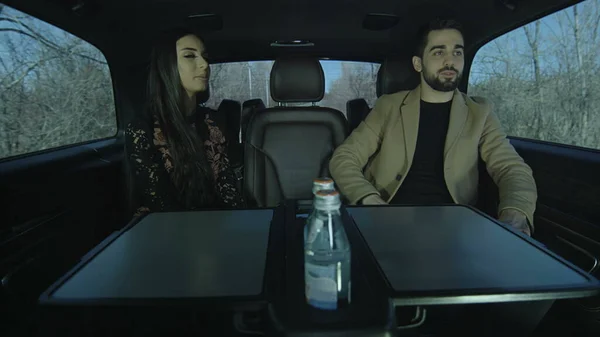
(395, 75)
(297, 80)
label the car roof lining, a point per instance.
(125, 29)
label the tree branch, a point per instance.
(26, 72)
(46, 42)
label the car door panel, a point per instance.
(58, 205)
(567, 221)
(568, 178)
(572, 237)
(567, 217)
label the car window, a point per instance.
(55, 88)
(543, 78)
(242, 81)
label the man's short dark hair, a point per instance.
(437, 24)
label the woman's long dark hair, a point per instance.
(192, 174)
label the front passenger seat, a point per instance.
(249, 108)
(357, 110)
(287, 147)
(395, 74)
(229, 113)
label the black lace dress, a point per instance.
(152, 166)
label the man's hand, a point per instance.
(516, 219)
(373, 199)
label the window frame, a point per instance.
(473, 49)
(377, 62)
(118, 125)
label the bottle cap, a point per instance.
(327, 200)
(323, 183)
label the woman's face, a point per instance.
(193, 67)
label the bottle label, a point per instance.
(321, 288)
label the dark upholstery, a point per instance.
(249, 108)
(229, 113)
(287, 147)
(396, 74)
(297, 80)
(356, 111)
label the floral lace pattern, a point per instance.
(152, 167)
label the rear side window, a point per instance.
(55, 88)
(346, 81)
(242, 81)
(543, 77)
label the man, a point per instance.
(423, 146)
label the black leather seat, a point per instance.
(356, 111)
(394, 75)
(287, 147)
(229, 114)
(249, 108)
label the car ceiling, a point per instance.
(125, 28)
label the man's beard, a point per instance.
(444, 85)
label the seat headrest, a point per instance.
(297, 80)
(396, 75)
(255, 103)
(229, 105)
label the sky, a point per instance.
(332, 70)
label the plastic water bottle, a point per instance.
(319, 184)
(327, 255)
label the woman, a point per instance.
(176, 151)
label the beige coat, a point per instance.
(382, 149)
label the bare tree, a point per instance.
(581, 73)
(55, 89)
(357, 80)
(542, 79)
(533, 37)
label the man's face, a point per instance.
(443, 60)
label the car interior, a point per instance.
(60, 202)
(286, 146)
